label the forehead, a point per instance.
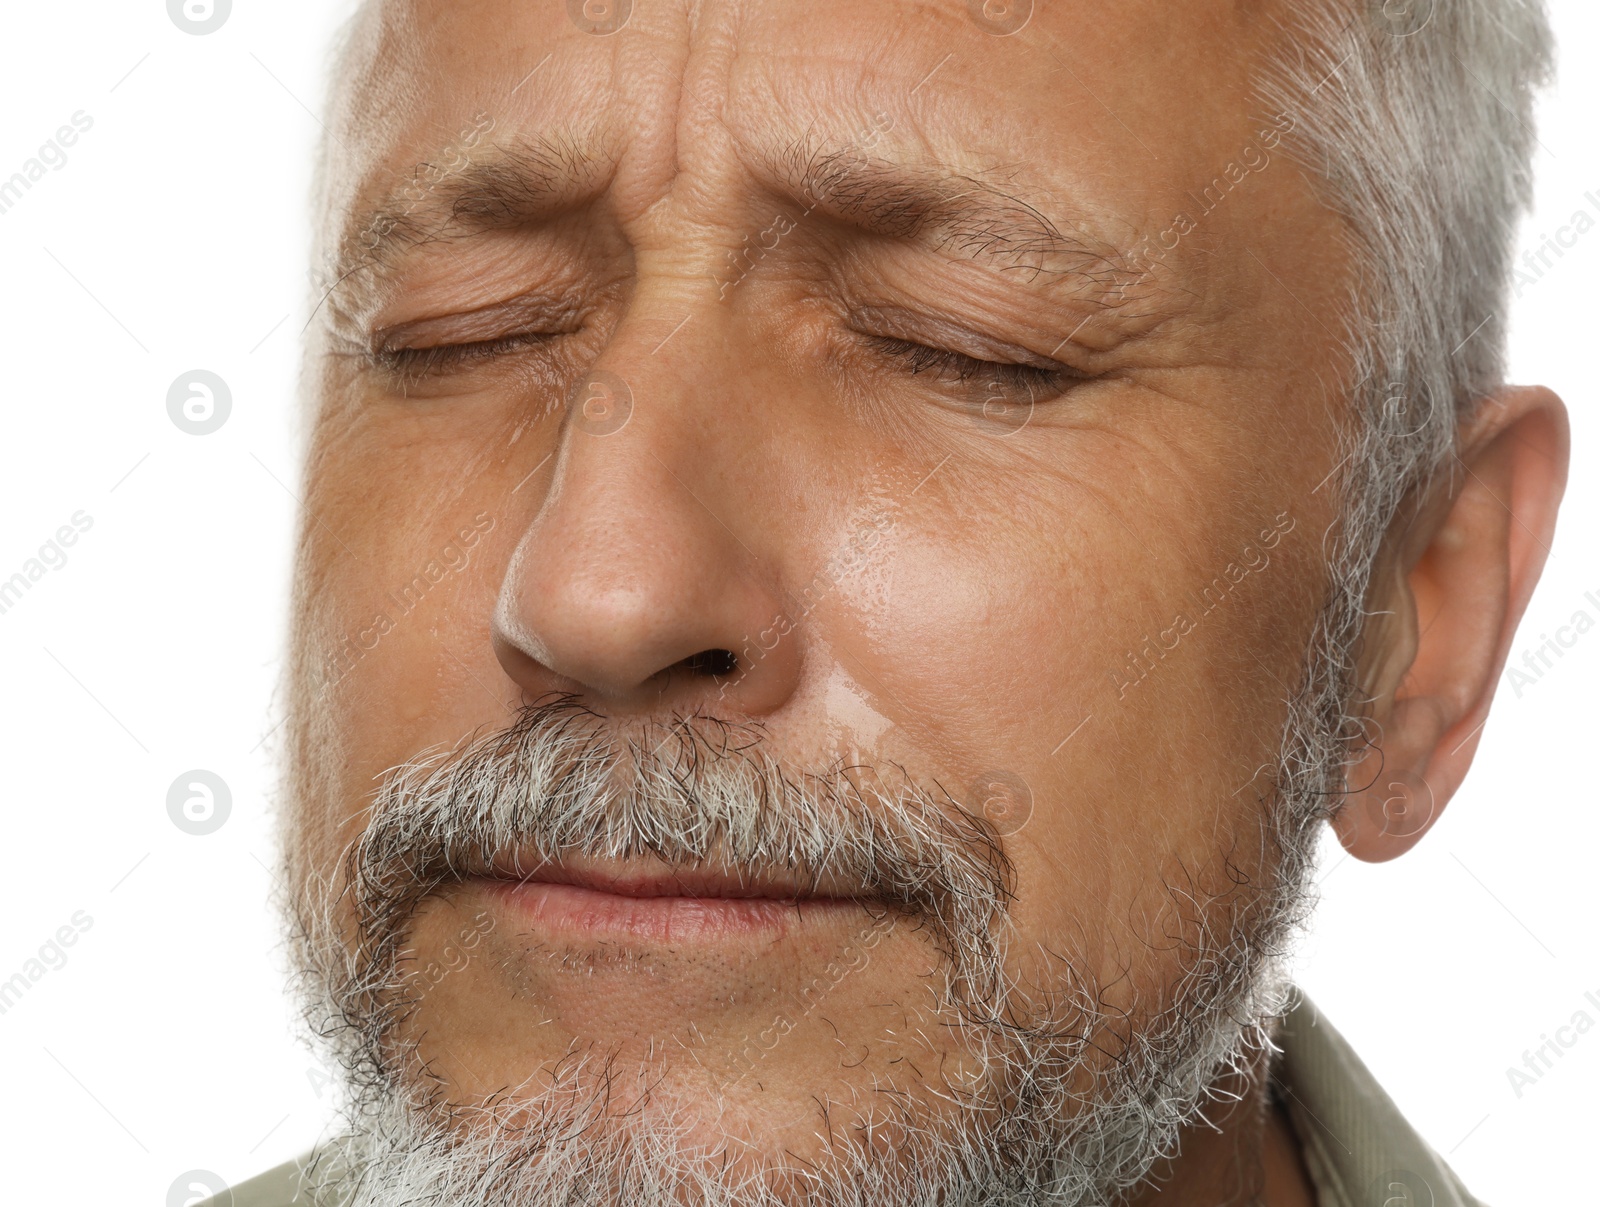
(1118, 108)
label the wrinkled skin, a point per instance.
(903, 575)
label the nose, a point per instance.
(647, 580)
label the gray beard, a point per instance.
(1072, 1102)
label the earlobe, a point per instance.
(1390, 802)
(1462, 575)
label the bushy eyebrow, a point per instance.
(970, 214)
(499, 188)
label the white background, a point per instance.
(174, 238)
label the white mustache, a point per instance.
(694, 794)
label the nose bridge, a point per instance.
(639, 426)
(646, 569)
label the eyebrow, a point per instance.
(517, 186)
(967, 214)
(963, 214)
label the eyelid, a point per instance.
(969, 369)
(411, 360)
(941, 335)
(526, 315)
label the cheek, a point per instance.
(1155, 804)
(1010, 647)
(385, 623)
(983, 639)
(392, 684)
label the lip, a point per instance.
(666, 906)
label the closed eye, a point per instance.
(411, 363)
(970, 373)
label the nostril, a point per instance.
(711, 662)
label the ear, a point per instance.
(1449, 594)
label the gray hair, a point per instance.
(1059, 1096)
(1414, 121)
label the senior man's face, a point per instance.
(856, 470)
